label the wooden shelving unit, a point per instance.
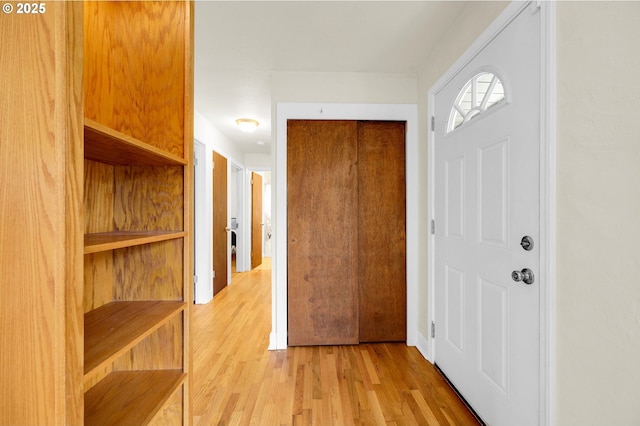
(138, 181)
(98, 234)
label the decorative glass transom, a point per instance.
(482, 92)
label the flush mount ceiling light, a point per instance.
(247, 125)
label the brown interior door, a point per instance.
(382, 231)
(322, 232)
(219, 222)
(256, 220)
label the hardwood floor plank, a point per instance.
(237, 381)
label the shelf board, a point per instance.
(116, 327)
(94, 243)
(130, 397)
(109, 146)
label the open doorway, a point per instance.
(237, 247)
(259, 223)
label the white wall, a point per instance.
(259, 162)
(598, 223)
(355, 88)
(204, 132)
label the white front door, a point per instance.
(487, 198)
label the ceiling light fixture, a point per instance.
(247, 125)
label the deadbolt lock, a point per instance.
(527, 243)
(526, 276)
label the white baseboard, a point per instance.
(423, 346)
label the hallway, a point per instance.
(237, 381)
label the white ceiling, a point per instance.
(238, 44)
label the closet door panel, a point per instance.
(381, 231)
(322, 232)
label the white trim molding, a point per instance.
(548, 144)
(548, 209)
(329, 111)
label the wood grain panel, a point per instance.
(220, 215)
(98, 280)
(164, 81)
(382, 231)
(171, 412)
(112, 86)
(149, 272)
(70, 21)
(40, 299)
(137, 88)
(322, 232)
(161, 350)
(98, 197)
(148, 198)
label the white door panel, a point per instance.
(487, 196)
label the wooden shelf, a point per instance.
(130, 397)
(108, 146)
(94, 243)
(116, 327)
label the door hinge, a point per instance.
(195, 279)
(433, 123)
(213, 274)
(195, 161)
(433, 227)
(433, 330)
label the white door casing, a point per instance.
(333, 111)
(486, 198)
(203, 287)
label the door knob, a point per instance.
(526, 276)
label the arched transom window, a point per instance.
(481, 92)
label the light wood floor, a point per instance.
(236, 381)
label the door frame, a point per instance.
(547, 273)
(203, 287)
(332, 111)
(246, 224)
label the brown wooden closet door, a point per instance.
(382, 231)
(219, 222)
(256, 220)
(322, 232)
